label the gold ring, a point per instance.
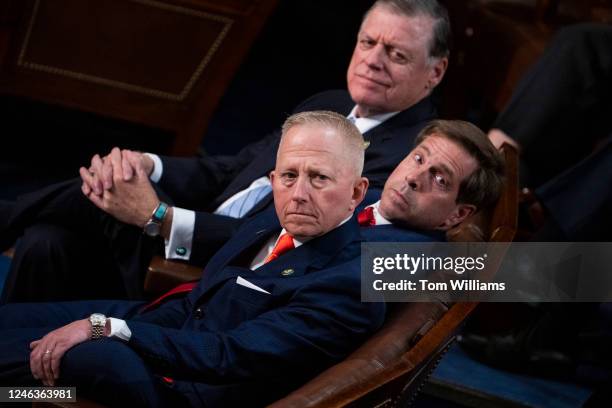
(47, 351)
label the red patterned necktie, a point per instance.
(284, 244)
(365, 218)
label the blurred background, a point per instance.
(79, 77)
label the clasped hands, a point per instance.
(119, 185)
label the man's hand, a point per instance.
(101, 173)
(132, 201)
(498, 137)
(47, 352)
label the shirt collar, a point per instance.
(365, 124)
(380, 220)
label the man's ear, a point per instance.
(272, 175)
(438, 68)
(359, 191)
(460, 213)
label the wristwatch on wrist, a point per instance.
(153, 226)
(98, 322)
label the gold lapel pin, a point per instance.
(287, 272)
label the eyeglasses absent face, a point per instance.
(422, 190)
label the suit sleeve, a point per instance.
(320, 325)
(194, 182)
(211, 232)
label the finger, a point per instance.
(47, 357)
(34, 344)
(35, 364)
(140, 170)
(88, 180)
(97, 168)
(115, 159)
(85, 189)
(126, 164)
(97, 200)
(134, 162)
(96, 163)
(56, 358)
(107, 173)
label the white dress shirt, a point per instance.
(378, 218)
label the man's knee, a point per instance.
(111, 372)
(44, 240)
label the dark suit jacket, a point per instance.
(203, 184)
(393, 233)
(226, 341)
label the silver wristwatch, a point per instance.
(98, 322)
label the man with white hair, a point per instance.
(276, 305)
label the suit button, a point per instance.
(198, 313)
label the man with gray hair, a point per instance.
(276, 305)
(197, 204)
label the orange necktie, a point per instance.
(284, 244)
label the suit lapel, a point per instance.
(314, 254)
(249, 238)
(424, 110)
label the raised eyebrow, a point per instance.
(446, 170)
(425, 148)
(362, 33)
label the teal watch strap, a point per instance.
(160, 212)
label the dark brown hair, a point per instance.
(483, 187)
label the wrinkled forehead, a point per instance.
(384, 17)
(444, 151)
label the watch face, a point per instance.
(97, 318)
(152, 229)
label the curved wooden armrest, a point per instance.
(371, 365)
(163, 275)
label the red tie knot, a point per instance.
(366, 217)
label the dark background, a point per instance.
(304, 48)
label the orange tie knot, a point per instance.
(284, 244)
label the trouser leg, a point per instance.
(53, 263)
(84, 238)
(562, 104)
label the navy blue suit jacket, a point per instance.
(228, 342)
(204, 183)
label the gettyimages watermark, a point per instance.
(487, 272)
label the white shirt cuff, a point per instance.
(158, 167)
(181, 234)
(119, 329)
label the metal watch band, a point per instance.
(97, 331)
